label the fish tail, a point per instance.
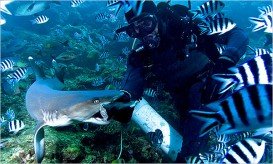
(209, 117)
(261, 10)
(195, 13)
(259, 23)
(39, 143)
(118, 10)
(228, 81)
(251, 48)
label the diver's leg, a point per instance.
(190, 126)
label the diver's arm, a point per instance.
(236, 42)
(120, 109)
(133, 82)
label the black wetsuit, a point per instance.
(180, 73)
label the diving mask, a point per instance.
(140, 27)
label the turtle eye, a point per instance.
(96, 101)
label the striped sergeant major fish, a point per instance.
(7, 65)
(262, 23)
(261, 51)
(224, 138)
(150, 92)
(221, 48)
(128, 5)
(76, 3)
(217, 148)
(121, 37)
(256, 71)
(265, 20)
(193, 159)
(217, 26)
(40, 19)
(103, 40)
(16, 76)
(15, 126)
(246, 151)
(209, 158)
(241, 136)
(247, 109)
(100, 17)
(223, 152)
(209, 8)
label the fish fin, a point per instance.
(263, 131)
(120, 3)
(60, 73)
(204, 115)
(118, 9)
(226, 129)
(210, 125)
(39, 73)
(228, 81)
(39, 142)
(203, 28)
(210, 117)
(4, 8)
(15, 132)
(251, 48)
(195, 13)
(259, 23)
(261, 10)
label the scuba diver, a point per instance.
(173, 51)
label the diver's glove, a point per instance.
(210, 91)
(121, 108)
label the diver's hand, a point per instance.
(121, 108)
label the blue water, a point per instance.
(87, 70)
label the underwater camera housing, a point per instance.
(151, 122)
